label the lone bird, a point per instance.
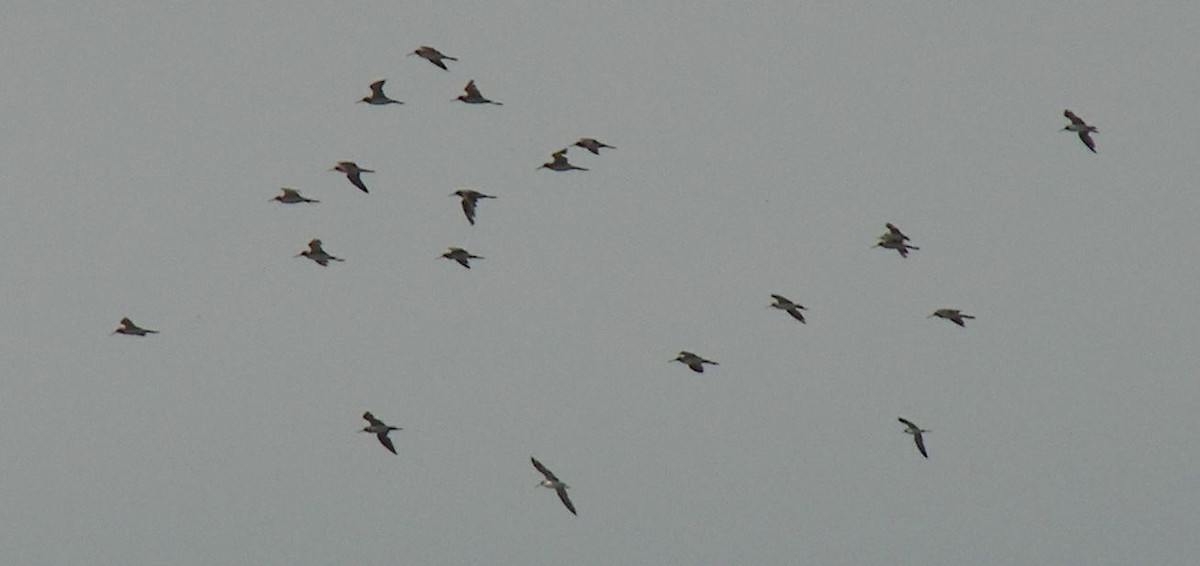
(1085, 131)
(433, 56)
(894, 239)
(592, 145)
(291, 196)
(915, 431)
(554, 483)
(353, 172)
(696, 363)
(128, 327)
(380, 430)
(953, 315)
(472, 95)
(462, 256)
(377, 97)
(316, 253)
(782, 303)
(469, 199)
(560, 162)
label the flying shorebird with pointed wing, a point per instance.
(953, 315)
(552, 482)
(316, 253)
(353, 173)
(377, 97)
(433, 56)
(784, 304)
(592, 145)
(380, 430)
(916, 432)
(291, 196)
(696, 363)
(473, 96)
(1084, 130)
(128, 327)
(469, 199)
(462, 256)
(894, 239)
(560, 162)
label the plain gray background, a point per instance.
(761, 149)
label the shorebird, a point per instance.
(554, 483)
(1085, 131)
(353, 172)
(461, 256)
(378, 98)
(916, 432)
(433, 56)
(469, 198)
(128, 327)
(592, 145)
(291, 196)
(953, 315)
(317, 254)
(782, 303)
(693, 361)
(380, 430)
(894, 240)
(472, 95)
(560, 162)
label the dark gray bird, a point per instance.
(433, 56)
(377, 97)
(469, 199)
(552, 482)
(380, 430)
(1082, 128)
(472, 95)
(696, 363)
(560, 162)
(291, 196)
(592, 145)
(894, 239)
(953, 315)
(353, 173)
(462, 256)
(782, 303)
(128, 327)
(316, 253)
(916, 431)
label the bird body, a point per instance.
(131, 329)
(316, 253)
(380, 430)
(953, 315)
(353, 173)
(592, 145)
(473, 96)
(560, 162)
(462, 256)
(1084, 130)
(696, 363)
(291, 196)
(469, 199)
(782, 303)
(916, 432)
(552, 482)
(377, 97)
(433, 56)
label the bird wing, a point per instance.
(920, 440)
(1086, 137)
(697, 366)
(796, 314)
(909, 423)
(1073, 118)
(781, 299)
(372, 420)
(356, 180)
(386, 441)
(472, 91)
(315, 245)
(468, 206)
(290, 192)
(463, 262)
(543, 469)
(377, 89)
(562, 494)
(896, 231)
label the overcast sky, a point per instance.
(760, 149)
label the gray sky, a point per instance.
(760, 150)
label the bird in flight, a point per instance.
(433, 56)
(291, 196)
(894, 239)
(916, 432)
(469, 199)
(592, 145)
(460, 255)
(472, 95)
(696, 363)
(353, 172)
(316, 253)
(377, 97)
(128, 327)
(953, 315)
(380, 430)
(1082, 128)
(782, 303)
(552, 482)
(560, 162)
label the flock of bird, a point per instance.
(893, 239)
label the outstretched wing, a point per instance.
(372, 420)
(545, 471)
(562, 494)
(1086, 137)
(1073, 118)
(386, 441)
(920, 440)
